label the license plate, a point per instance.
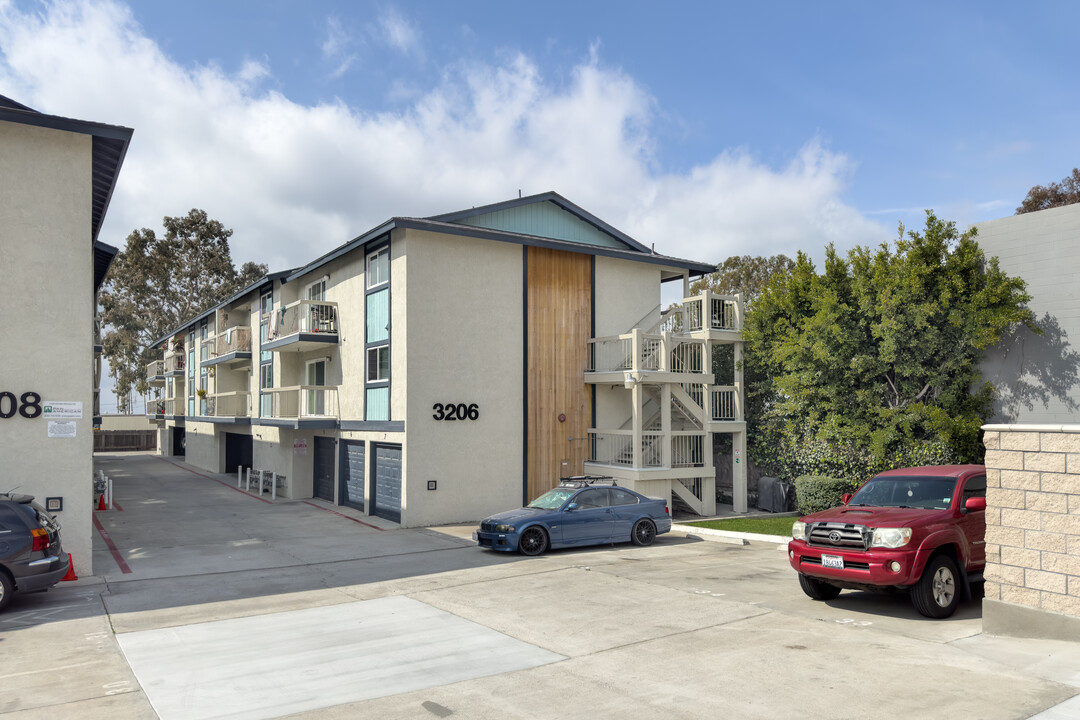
(475, 538)
(832, 561)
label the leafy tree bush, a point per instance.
(821, 492)
(1053, 195)
(875, 362)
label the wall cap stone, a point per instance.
(1033, 428)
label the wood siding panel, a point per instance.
(560, 318)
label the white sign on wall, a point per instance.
(62, 428)
(299, 446)
(56, 410)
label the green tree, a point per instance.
(1053, 195)
(746, 275)
(878, 356)
(155, 284)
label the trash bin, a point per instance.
(774, 495)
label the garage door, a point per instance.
(324, 468)
(386, 502)
(352, 473)
(238, 449)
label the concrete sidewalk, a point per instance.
(233, 606)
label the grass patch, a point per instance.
(768, 525)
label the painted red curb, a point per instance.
(335, 512)
(112, 547)
(219, 482)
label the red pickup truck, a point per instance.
(915, 529)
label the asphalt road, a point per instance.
(209, 602)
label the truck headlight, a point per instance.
(890, 537)
(798, 530)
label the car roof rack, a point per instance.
(583, 480)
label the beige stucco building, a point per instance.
(56, 180)
(437, 370)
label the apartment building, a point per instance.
(436, 370)
(56, 181)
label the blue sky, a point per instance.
(709, 129)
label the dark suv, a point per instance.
(31, 557)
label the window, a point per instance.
(202, 330)
(266, 303)
(378, 267)
(377, 404)
(621, 497)
(378, 363)
(592, 498)
(317, 290)
(316, 377)
(975, 487)
(266, 380)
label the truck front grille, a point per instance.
(838, 535)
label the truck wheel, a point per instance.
(937, 593)
(818, 589)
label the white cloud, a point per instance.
(399, 33)
(335, 48)
(294, 180)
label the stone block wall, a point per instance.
(1032, 530)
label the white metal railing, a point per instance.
(174, 363)
(701, 312)
(610, 354)
(234, 339)
(175, 405)
(724, 403)
(303, 401)
(229, 404)
(687, 449)
(614, 447)
(307, 316)
(640, 351)
(155, 369)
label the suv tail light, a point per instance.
(41, 539)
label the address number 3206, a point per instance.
(455, 411)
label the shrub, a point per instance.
(820, 492)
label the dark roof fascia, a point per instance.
(645, 255)
(551, 196)
(536, 241)
(104, 255)
(257, 285)
(358, 241)
(109, 148)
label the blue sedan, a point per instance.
(578, 512)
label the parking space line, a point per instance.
(112, 547)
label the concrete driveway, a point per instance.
(208, 602)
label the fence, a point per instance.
(125, 440)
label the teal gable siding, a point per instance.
(544, 219)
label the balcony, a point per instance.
(646, 357)
(655, 450)
(231, 347)
(226, 407)
(715, 317)
(155, 373)
(299, 406)
(174, 364)
(302, 326)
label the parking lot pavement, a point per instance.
(313, 608)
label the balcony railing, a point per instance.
(724, 403)
(640, 351)
(302, 401)
(174, 363)
(616, 447)
(304, 316)
(155, 369)
(227, 404)
(702, 312)
(232, 340)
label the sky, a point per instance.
(708, 129)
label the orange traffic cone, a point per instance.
(101, 503)
(70, 574)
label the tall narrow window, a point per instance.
(316, 380)
(377, 336)
(266, 357)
